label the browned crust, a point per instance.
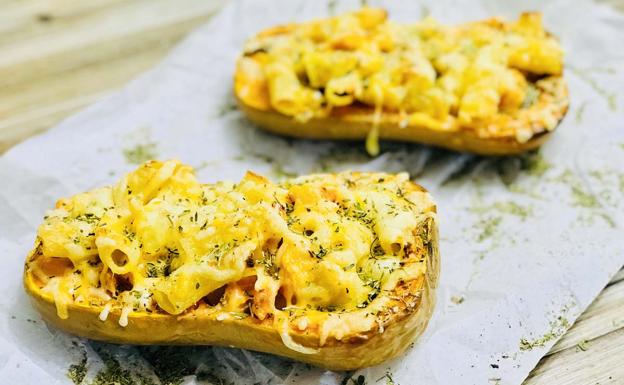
(355, 122)
(399, 324)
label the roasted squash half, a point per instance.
(489, 87)
(337, 270)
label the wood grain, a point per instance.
(51, 52)
(58, 56)
(600, 363)
(592, 351)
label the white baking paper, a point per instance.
(527, 242)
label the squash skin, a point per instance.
(355, 122)
(400, 324)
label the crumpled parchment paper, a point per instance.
(527, 242)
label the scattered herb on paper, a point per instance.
(457, 299)
(535, 164)
(513, 209)
(557, 327)
(580, 196)
(331, 7)
(579, 112)
(488, 227)
(227, 107)
(112, 373)
(505, 207)
(609, 96)
(140, 153)
(388, 378)
(583, 198)
(77, 372)
(170, 363)
(583, 345)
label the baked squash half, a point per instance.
(489, 87)
(337, 270)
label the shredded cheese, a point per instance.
(289, 253)
(289, 342)
(123, 318)
(442, 77)
(105, 312)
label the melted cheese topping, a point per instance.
(440, 77)
(293, 253)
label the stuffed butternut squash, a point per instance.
(337, 270)
(489, 87)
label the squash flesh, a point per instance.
(104, 304)
(490, 87)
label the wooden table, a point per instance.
(58, 56)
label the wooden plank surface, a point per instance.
(58, 56)
(51, 52)
(592, 351)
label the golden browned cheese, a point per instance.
(490, 87)
(337, 270)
